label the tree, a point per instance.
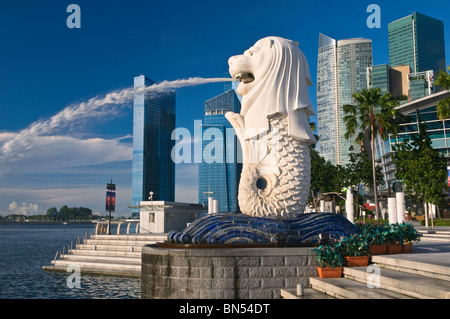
(323, 174)
(358, 171)
(443, 107)
(421, 168)
(52, 211)
(374, 114)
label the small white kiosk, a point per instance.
(162, 216)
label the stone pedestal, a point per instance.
(224, 273)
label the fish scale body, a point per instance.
(288, 182)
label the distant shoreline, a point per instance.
(46, 223)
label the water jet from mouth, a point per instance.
(96, 107)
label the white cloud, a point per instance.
(51, 153)
(23, 209)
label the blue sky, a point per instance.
(46, 67)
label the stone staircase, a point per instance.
(107, 254)
(436, 235)
(390, 278)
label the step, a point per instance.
(438, 235)
(435, 239)
(408, 263)
(112, 253)
(97, 258)
(308, 293)
(98, 271)
(118, 242)
(138, 237)
(409, 284)
(97, 265)
(108, 254)
(344, 288)
(122, 248)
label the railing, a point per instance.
(102, 228)
(131, 227)
(71, 248)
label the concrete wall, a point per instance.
(229, 273)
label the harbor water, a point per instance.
(25, 248)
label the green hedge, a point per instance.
(437, 222)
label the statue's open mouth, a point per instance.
(244, 77)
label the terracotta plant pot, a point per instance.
(326, 272)
(378, 249)
(407, 248)
(356, 261)
(394, 249)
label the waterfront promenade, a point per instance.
(423, 274)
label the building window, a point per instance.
(151, 217)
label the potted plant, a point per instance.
(355, 250)
(330, 261)
(394, 239)
(410, 235)
(375, 233)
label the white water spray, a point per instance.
(93, 108)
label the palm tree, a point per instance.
(374, 114)
(443, 107)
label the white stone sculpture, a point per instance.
(273, 128)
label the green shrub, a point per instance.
(379, 233)
(437, 222)
(329, 255)
(355, 245)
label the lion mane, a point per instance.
(284, 89)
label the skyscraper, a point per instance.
(219, 172)
(153, 122)
(389, 79)
(341, 71)
(418, 41)
(417, 51)
(327, 99)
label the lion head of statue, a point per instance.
(274, 78)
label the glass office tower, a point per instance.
(153, 123)
(220, 169)
(418, 41)
(378, 77)
(327, 99)
(353, 56)
(341, 71)
(420, 84)
(387, 79)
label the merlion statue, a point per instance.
(273, 128)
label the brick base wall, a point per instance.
(224, 273)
